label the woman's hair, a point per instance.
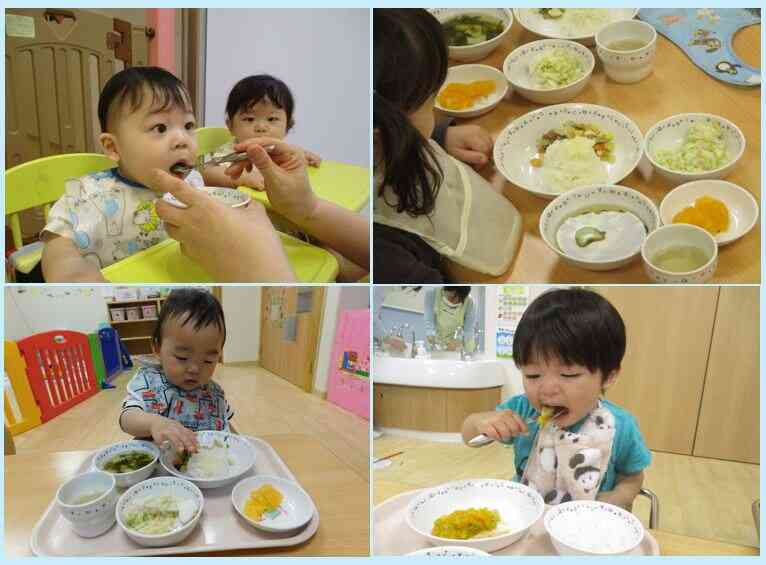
(251, 90)
(462, 292)
(572, 325)
(410, 65)
(190, 306)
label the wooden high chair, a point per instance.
(40, 183)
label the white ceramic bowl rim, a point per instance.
(239, 470)
(629, 51)
(684, 273)
(132, 445)
(499, 76)
(95, 500)
(578, 38)
(522, 50)
(507, 24)
(572, 506)
(200, 499)
(551, 205)
(688, 117)
(296, 499)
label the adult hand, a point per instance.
(471, 144)
(233, 244)
(284, 173)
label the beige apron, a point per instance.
(470, 224)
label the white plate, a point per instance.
(450, 551)
(519, 507)
(227, 196)
(296, 509)
(517, 143)
(470, 73)
(743, 209)
(240, 450)
(531, 20)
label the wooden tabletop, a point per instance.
(341, 496)
(675, 86)
(670, 544)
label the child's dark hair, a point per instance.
(190, 306)
(410, 65)
(251, 90)
(573, 325)
(462, 292)
(130, 84)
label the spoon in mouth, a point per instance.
(181, 169)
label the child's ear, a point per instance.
(610, 379)
(109, 146)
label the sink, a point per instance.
(438, 373)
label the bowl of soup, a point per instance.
(129, 461)
(473, 33)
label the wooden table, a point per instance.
(670, 544)
(341, 496)
(675, 86)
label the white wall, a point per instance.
(336, 300)
(242, 309)
(322, 55)
(31, 310)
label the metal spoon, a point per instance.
(235, 157)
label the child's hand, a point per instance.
(313, 159)
(502, 425)
(182, 438)
(470, 143)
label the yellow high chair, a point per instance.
(40, 183)
(210, 138)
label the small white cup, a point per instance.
(94, 517)
(627, 66)
(679, 234)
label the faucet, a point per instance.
(413, 347)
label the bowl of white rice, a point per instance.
(589, 527)
(577, 24)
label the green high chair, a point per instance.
(40, 183)
(210, 138)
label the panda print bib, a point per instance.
(564, 466)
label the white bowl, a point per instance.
(470, 73)
(589, 527)
(517, 143)
(93, 518)
(160, 486)
(679, 234)
(743, 209)
(240, 451)
(227, 196)
(450, 551)
(609, 196)
(531, 20)
(516, 70)
(130, 478)
(296, 509)
(519, 507)
(669, 134)
(470, 53)
(627, 66)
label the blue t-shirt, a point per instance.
(629, 453)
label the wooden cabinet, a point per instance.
(136, 334)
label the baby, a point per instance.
(147, 123)
(172, 401)
(569, 346)
(258, 106)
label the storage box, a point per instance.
(125, 293)
(149, 311)
(133, 313)
(117, 314)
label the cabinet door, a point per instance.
(410, 408)
(729, 418)
(668, 333)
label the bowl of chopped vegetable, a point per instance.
(161, 511)
(471, 90)
(473, 33)
(688, 147)
(129, 461)
(272, 503)
(554, 149)
(222, 458)
(549, 71)
(722, 208)
(577, 24)
(450, 551)
(484, 514)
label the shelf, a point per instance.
(141, 338)
(143, 301)
(134, 321)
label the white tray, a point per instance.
(220, 529)
(392, 536)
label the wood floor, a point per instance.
(263, 404)
(703, 498)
